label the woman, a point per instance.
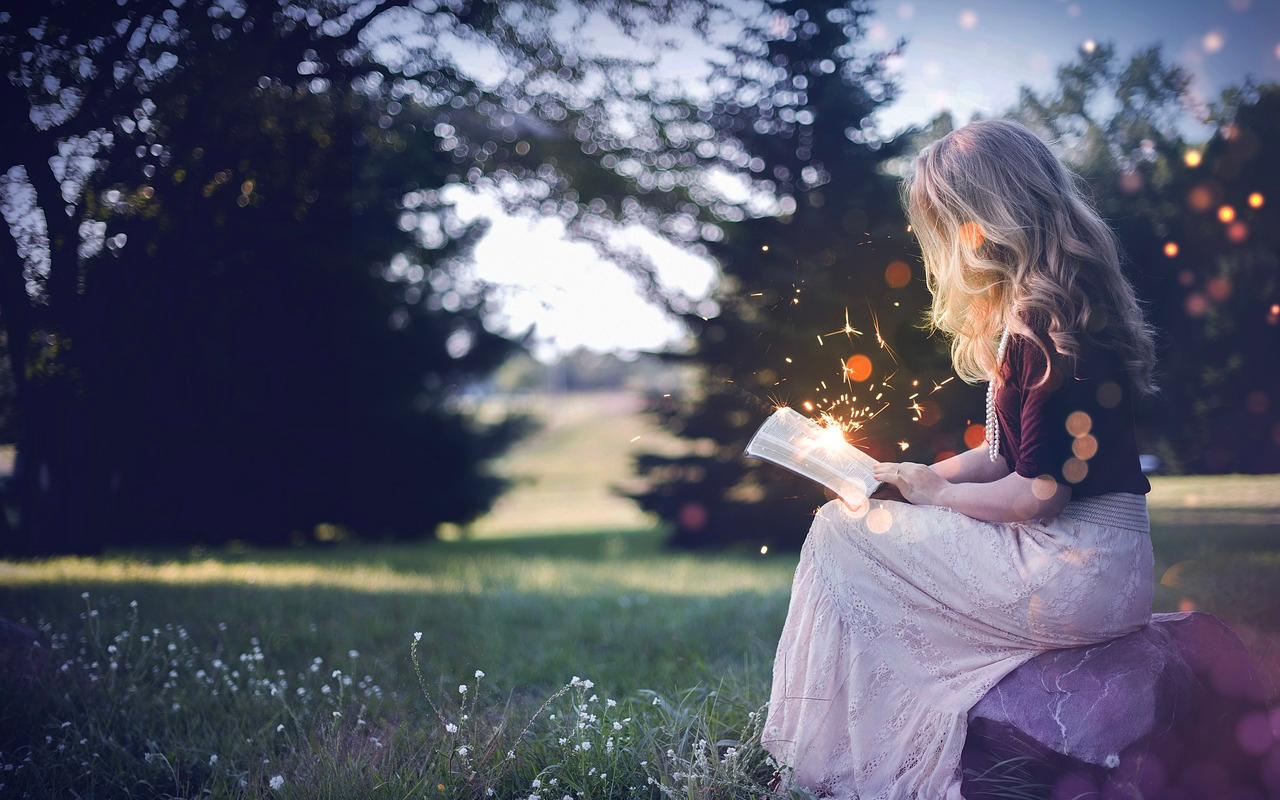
(903, 615)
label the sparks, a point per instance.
(848, 330)
(875, 323)
(904, 445)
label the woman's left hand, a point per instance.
(917, 483)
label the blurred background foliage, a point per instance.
(234, 292)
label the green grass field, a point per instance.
(288, 673)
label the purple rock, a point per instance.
(1093, 702)
(1167, 711)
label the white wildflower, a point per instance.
(462, 688)
(213, 759)
(537, 784)
(276, 782)
(479, 673)
(586, 745)
(450, 728)
(1112, 761)
(417, 636)
(353, 653)
(610, 703)
(463, 751)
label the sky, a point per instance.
(966, 56)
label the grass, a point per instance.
(299, 672)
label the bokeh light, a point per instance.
(897, 274)
(857, 368)
(974, 435)
(1197, 305)
(1171, 249)
(1193, 158)
(1200, 198)
(1079, 423)
(1237, 232)
(1226, 213)
(1256, 200)
(1218, 289)
(971, 235)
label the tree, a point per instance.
(1208, 280)
(147, 129)
(822, 296)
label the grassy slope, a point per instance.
(600, 600)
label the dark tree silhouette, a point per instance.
(834, 249)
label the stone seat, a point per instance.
(1174, 711)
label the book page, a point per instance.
(793, 441)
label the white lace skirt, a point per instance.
(902, 617)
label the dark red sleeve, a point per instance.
(1045, 444)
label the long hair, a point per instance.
(1008, 239)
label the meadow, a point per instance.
(502, 662)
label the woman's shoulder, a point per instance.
(1031, 353)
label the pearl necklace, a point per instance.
(993, 424)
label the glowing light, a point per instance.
(879, 520)
(764, 548)
(856, 368)
(968, 19)
(1193, 158)
(974, 435)
(635, 438)
(1085, 447)
(1226, 213)
(1079, 423)
(808, 406)
(971, 235)
(1200, 198)
(1171, 249)
(1109, 394)
(788, 359)
(1074, 470)
(1213, 41)
(1256, 200)
(1218, 289)
(1089, 46)
(1237, 232)
(897, 274)
(764, 248)
(903, 445)
(1197, 305)
(1273, 316)
(1043, 487)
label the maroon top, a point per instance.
(1094, 451)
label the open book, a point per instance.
(793, 441)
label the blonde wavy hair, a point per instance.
(1008, 239)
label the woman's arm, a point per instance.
(972, 466)
(1012, 498)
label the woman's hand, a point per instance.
(916, 482)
